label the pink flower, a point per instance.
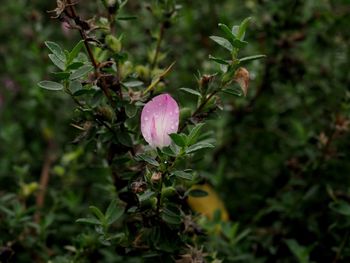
(159, 118)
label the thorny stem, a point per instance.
(120, 93)
(164, 173)
(83, 35)
(115, 176)
(159, 195)
(71, 12)
(201, 106)
(97, 118)
(73, 15)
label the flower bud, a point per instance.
(106, 113)
(159, 118)
(28, 189)
(156, 177)
(113, 43)
(168, 191)
(138, 187)
(204, 81)
(242, 78)
(142, 71)
(342, 123)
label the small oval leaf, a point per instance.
(80, 72)
(56, 50)
(50, 85)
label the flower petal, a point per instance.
(159, 118)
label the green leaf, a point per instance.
(235, 30)
(103, 240)
(219, 60)
(242, 28)
(92, 221)
(340, 207)
(56, 50)
(198, 146)
(169, 151)
(182, 175)
(119, 236)
(126, 17)
(130, 110)
(50, 85)
(82, 71)
(83, 92)
(222, 42)
(147, 159)
(146, 195)
(192, 137)
(242, 235)
(226, 31)
(124, 138)
(122, 3)
(223, 68)
(58, 63)
(133, 83)
(114, 212)
(75, 86)
(179, 139)
(97, 212)
(7, 211)
(239, 43)
(234, 92)
(191, 91)
(197, 193)
(75, 51)
(250, 58)
(300, 252)
(75, 65)
(61, 75)
(170, 217)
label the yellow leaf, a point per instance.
(207, 205)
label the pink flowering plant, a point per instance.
(133, 119)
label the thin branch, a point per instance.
(44, 179)
(200, 107)
(159, 196)
(326, 148)
(159, 41)
(73, 15)
(340, 249)
(83, 35)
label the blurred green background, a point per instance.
(281, 164)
